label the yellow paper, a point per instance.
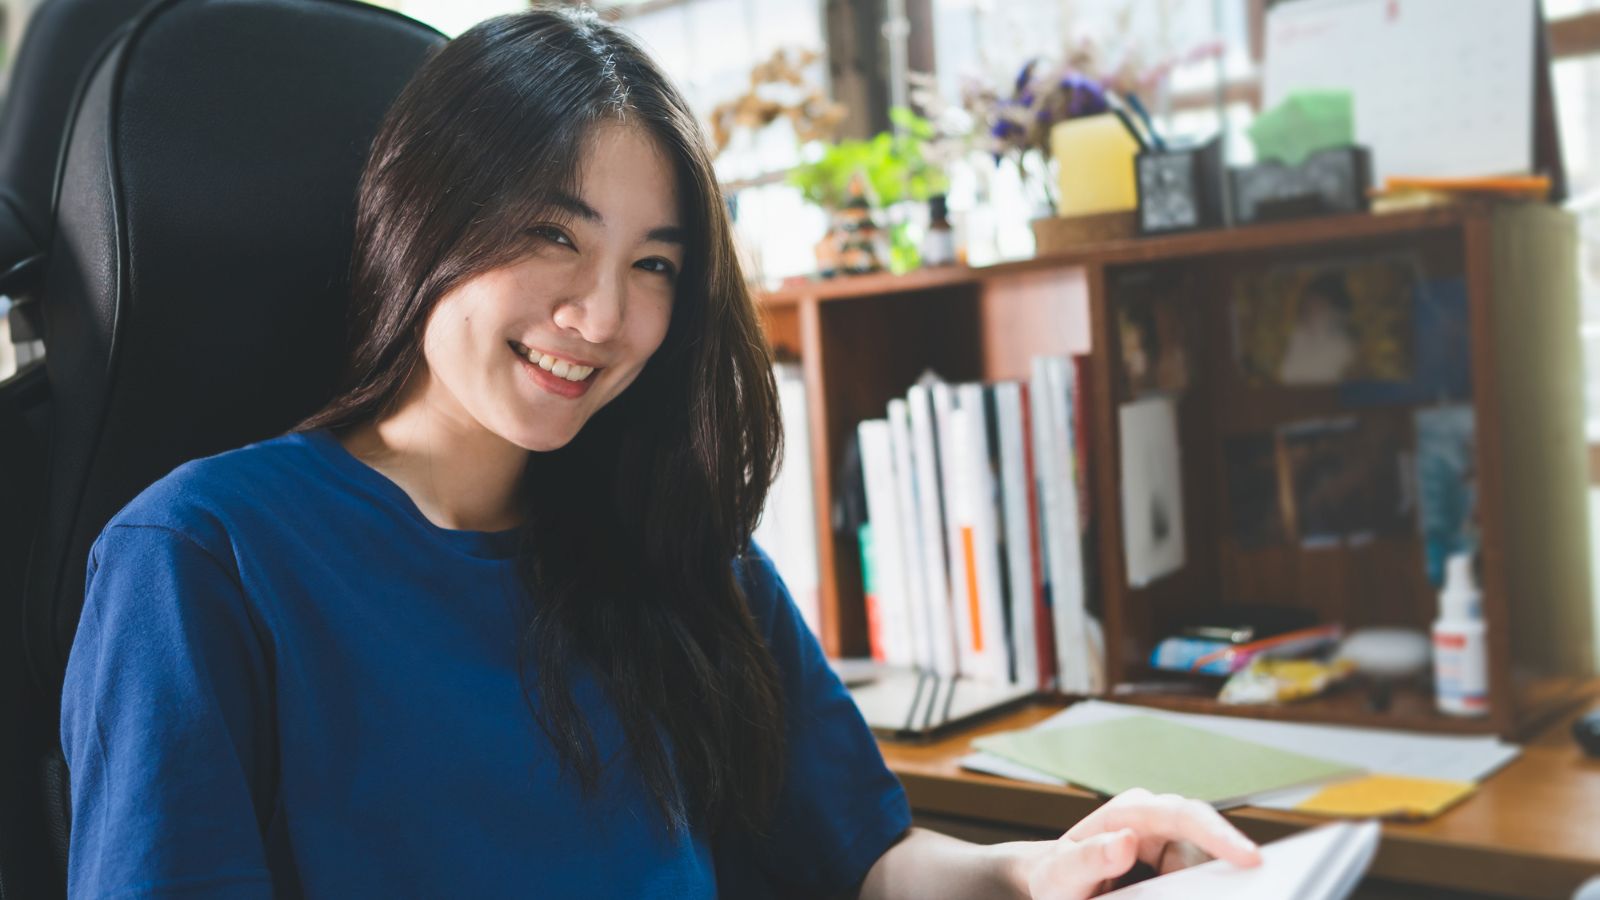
(1094, 156)
(1388, 796)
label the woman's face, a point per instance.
(531, 350)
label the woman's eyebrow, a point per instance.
(668, 234)
(577, 207)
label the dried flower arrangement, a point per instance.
(813, 116)
(1090, 77)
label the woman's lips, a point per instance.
(553, 383)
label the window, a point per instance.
(708, 48)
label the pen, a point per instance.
(1144, 116)
(1127, 123)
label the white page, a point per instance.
(1320, 864)
(1441, 87)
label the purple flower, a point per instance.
(1024, 76)
(1005, 129)
(1085, 97)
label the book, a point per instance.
(973, 458)
(1055, 465)
(787, 529)
(1152, 490)
(1324, 863)
(889, 628)
(1024, 602)
(931, 530)
(957, 524)
(918, 615)
(1162, 756)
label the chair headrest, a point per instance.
(196, 288)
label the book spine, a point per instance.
(949, 425)
(932, 529)
(1061, 512)
(869, 590)
(1017, 532)
(917, 596)
(888, 625)
(1043, 630)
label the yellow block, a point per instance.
(1388, 796)
(1094, 158)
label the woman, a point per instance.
(489, 624)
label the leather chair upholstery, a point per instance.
(192, 289)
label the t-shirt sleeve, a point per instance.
(840, 807)
(162, 721)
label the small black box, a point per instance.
(1329, 181)
(1180, 189)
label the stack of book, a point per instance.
(977, 517)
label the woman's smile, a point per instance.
(557, 376)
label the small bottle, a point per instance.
(1460, 650)
(939, 244)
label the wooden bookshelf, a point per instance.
(862, 341)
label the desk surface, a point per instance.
(1531, 830)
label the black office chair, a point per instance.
(189, 280)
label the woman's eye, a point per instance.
(659, 266)
(552, 234)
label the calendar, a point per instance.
(1442, 88)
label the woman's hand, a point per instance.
(1165, 832)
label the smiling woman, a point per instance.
(490, 623)
(582, 310)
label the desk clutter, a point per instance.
(1320, 769)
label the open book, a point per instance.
(1323, 863)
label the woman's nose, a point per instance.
(596, 311)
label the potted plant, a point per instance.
(854, 179)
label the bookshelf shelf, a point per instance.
(862, 341)
(1254, 239)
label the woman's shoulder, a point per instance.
(764, 589)
(206, 499)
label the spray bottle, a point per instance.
(1460, 649)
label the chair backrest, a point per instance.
(194, 292)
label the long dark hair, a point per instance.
(660, 490)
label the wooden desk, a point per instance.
(1532, 830)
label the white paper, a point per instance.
(1441, 87)
(1323, 863)
(1152, 490)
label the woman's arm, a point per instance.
(163, 717)
(1135, 826)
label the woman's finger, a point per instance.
(1075, 870)
(1168, 817)
(1179, 855)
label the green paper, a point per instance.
(1303, 123)
(1161, 756)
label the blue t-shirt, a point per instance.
(288, 681)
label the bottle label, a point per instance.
(1461, 676)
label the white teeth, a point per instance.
(559, 367)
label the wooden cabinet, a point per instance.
(864, 340)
